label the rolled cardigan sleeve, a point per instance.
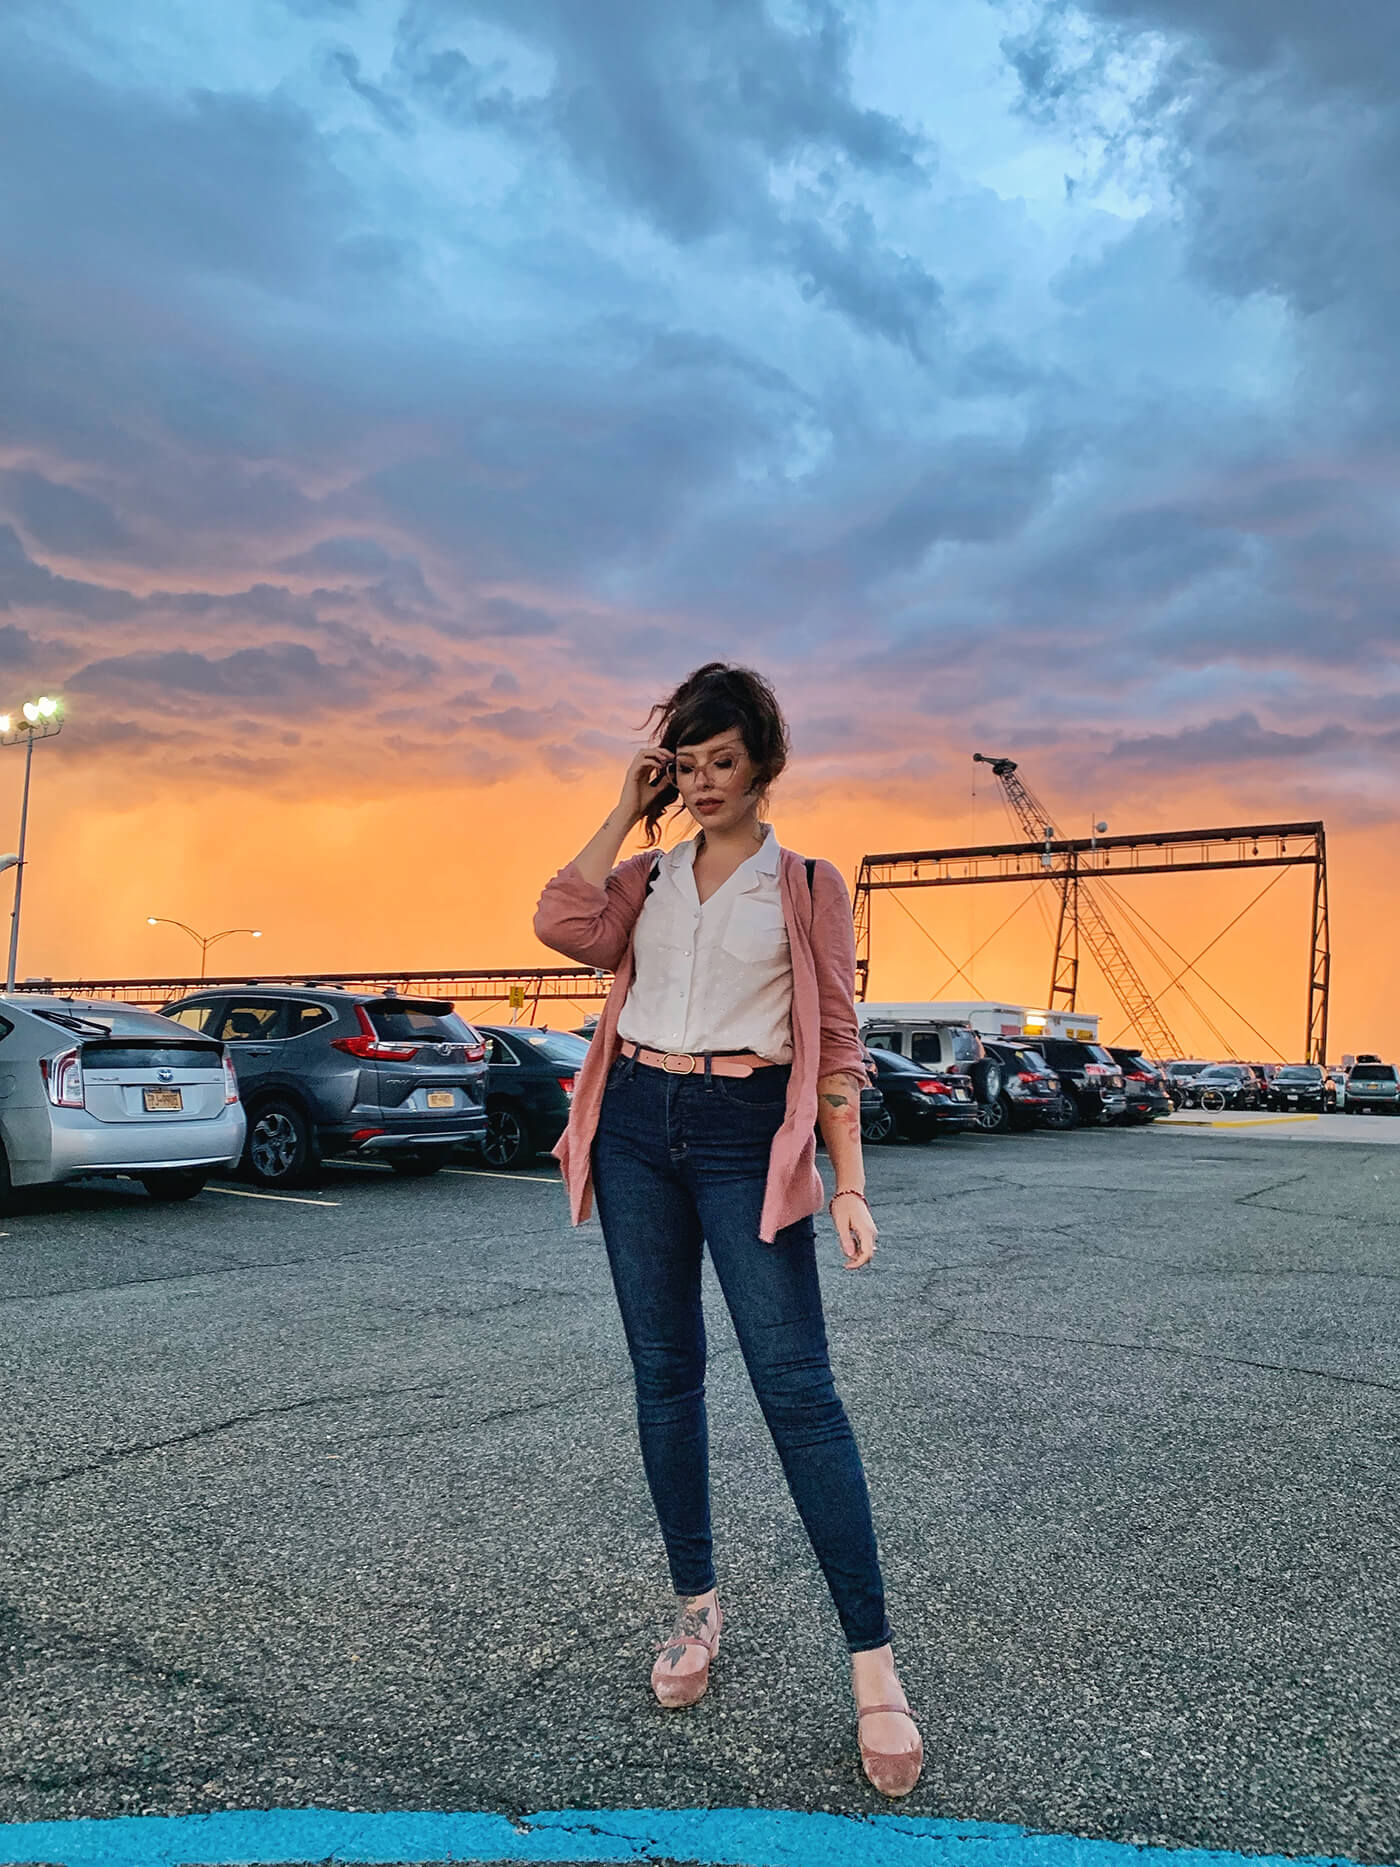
(589, 924)
(834, 954)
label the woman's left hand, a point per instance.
(856, 1228)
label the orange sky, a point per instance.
(449, 877)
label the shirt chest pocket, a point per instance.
(756, 931)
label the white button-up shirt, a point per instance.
(717, 975)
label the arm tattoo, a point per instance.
(835, 1101)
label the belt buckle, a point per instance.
(679, 1058)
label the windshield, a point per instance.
(1299, 1073)
(1219, 1073)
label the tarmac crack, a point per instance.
(142, 1449)
(1190, 1354)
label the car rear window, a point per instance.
(128, 1056)
(553, 1046)
(1373, 1073)
(193, 1017)
(397, 1022)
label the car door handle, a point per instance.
(255, 1050)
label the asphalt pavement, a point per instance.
(338, 1503)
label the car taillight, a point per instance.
(476, 1053)
(566, 1083)
(1139, 1076)
(63, 1079)
(933, 1086)
(370, 1044)
(1027, 1076)
(230, 1080)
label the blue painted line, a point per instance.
(706, 1837)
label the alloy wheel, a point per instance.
(507, 1139)
(878, 1128)
(274, 1145)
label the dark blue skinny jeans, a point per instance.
(680, 1162)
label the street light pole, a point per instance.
(41, 719)
(202, 941)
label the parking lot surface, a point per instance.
(337, 1502)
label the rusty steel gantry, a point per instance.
(1068, 861)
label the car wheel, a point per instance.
(176, 1184)
(878, 1129)
(993, 1117)
(508, 1141)
(281, 1148)
(1063, 1114)
(419, 1166)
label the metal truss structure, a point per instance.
(1068, 862)
(493, 986)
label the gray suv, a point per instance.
(323, 1072)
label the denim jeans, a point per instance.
(681, 1161)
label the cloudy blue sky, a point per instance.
(400, 391)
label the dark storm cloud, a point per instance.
(282, 675)
(27, 584)
(681, 112)
(62, 518)
(1223, 742)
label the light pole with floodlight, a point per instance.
(203, 941)
(38, 719)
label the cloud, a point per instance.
(284, 676)
(62, 518)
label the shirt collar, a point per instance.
(763, 861)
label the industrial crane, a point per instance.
(1082, 914)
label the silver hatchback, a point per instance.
(89, 1086)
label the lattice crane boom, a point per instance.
(1081, 913)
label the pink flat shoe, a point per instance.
(694, 1628)
(892, 1772)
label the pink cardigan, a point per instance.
(594, 927)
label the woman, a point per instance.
(729, 1033)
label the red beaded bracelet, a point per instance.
(840, 1193)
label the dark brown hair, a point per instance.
(712, 700)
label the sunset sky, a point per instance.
(397, 396)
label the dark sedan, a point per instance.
(531, 1072)
(1144, 1086)
(1302, 1087)
(922, 1102)
(1224, 1086)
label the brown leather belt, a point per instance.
(682, 1063)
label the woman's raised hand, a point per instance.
(647, 776)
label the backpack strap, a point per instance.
(655, 871)
(811, 867)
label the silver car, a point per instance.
(88, 1086)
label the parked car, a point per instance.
(323, 1072)
(940, 1043)
(1144, 1088)
(1337, 1077)
(98, 1087)
(1301, 1086)
(1372, 1088)
(1030, 1097)
(876, 1121)
(1224, 1086)
(530, 1084)
(921, 1102)
(1092, 1082)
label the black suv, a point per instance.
(1225, 1086)
(1091, 1080)
(1030, 1095)
(323, 1071)
(1144, 1088)
(531, 1084)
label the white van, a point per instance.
(990, 1018)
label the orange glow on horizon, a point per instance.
(449, 876)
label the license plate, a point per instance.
(960, 1095)
(440, 1098)
(157, 1100)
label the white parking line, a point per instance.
(283, 1199)
(481, 1173)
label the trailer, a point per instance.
(988, 1017)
